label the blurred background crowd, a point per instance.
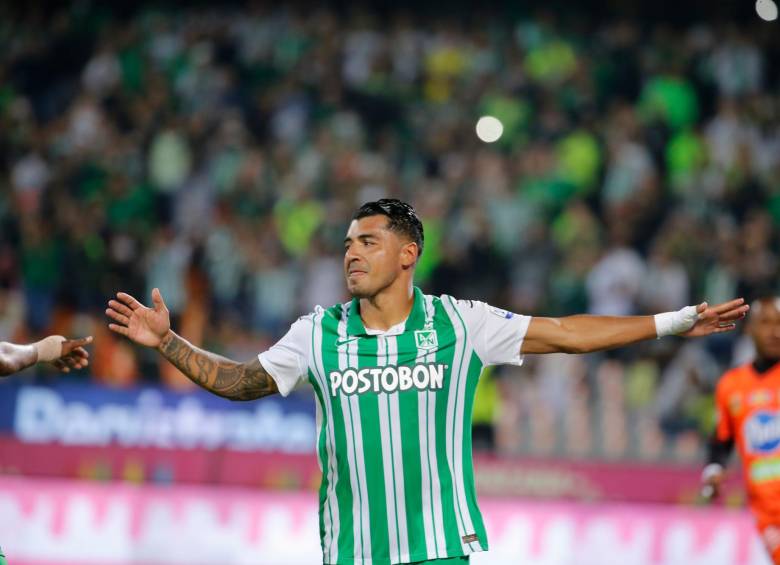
(219, 156)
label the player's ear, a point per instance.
(409, 253)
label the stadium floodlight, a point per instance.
(766, 9)
(489, 129)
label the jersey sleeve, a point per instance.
(496, 334)
(724, 430)
(287, 361)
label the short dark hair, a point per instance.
(763, 298)
(402, 218)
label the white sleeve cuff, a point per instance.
(285, 384)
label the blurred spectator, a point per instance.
(11, 315)
(737, 65)
(615, 281)
(684, 398)
(665, 284)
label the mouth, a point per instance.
(356, 273)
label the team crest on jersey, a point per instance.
(762, 432)
(426, 339)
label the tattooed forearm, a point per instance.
(237, 381)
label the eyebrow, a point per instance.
(362, 236)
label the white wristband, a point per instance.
(49, 348)
(673, 323)
(710, 471)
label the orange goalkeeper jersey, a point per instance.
(748, 411)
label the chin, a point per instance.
(354, 289)
(358, 290)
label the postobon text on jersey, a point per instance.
(424, 376)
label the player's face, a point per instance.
(373, 256)
(765, 328)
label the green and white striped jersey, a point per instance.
(394, 423)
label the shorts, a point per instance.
(462, 560)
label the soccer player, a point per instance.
(394, 373)
(747, 402)
(65, 354)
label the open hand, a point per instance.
(718, 318)
(143, 325)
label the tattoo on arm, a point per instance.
(237, 381)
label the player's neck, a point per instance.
(387, 308)
(763, 364)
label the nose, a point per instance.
(350, 254)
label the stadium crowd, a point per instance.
(218, 156)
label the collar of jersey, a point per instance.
(415, 321)
(763, 366)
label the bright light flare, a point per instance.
(767, 10)
(489, 129)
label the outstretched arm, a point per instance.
(584, 334)
(152, 327)
(14, 357)
(237, 381)
(65, 354)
